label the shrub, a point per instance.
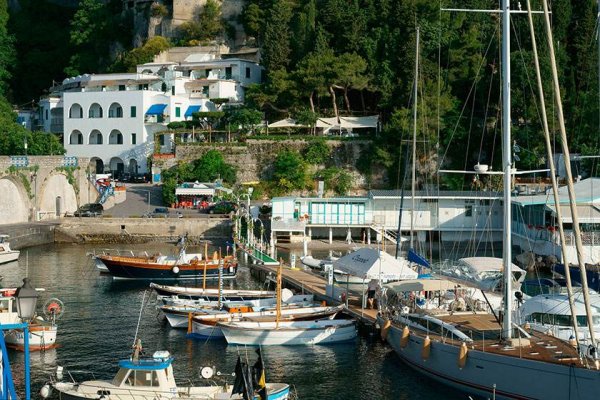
(317, 152)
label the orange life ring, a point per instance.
(53, 308)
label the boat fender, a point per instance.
(405, 336)
(175, 269)
(590, 351)
(462, 355)
(385, 328)
(426, 350)
(46, 391)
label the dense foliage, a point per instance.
(338, 57)
(208, 168)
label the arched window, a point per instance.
(95, 111)
(76, 111)
(95, 137)
(115, 111)
(76, 137)
(115, 137)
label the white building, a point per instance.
(445, 215)
(112, 118)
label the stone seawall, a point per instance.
(141, 230)
(28, 235)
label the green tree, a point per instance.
(208, 26)
(245, 118)
(289, 171)
(141, 55)
(276, 47)
(212, 166)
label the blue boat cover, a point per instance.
(146, 364)
(191, 110)
(156, 109)
(417, 258)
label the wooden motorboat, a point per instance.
(208, 326)
(162, 267)
(288, 333)
(207, 294)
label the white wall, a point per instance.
(57, 185)
(13, 209)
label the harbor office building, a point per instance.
(447, 216)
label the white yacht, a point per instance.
(6, 254)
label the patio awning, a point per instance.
(370, 263)
(156, 109)
(191, 110)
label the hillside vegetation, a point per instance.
(340, 57)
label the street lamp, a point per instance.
(26, 297)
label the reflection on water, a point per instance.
(101, 317)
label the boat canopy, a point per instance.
(148, 364)
(370, 263)
(418, 285)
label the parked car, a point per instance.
(138, 179)
(160, 212)
(89, 210)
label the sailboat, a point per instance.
(482, 354)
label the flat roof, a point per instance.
(434, 194)
(586, 191)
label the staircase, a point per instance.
(389, 234)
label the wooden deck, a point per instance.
(309, 282)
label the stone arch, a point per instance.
(56, 185)
(76, 111)
(96, 165)
(14, 202)
(115, 137)
(95, 137)
(117, 167)
(115, 111)
(133, 166)
(76, 137)
(95, 111)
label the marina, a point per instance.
(97, 307)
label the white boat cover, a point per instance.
(370, 263)
(417, 285)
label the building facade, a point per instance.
(113, 118)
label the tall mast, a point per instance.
(570, 187)
(414, 145)
(507, 167)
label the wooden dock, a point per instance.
(308, 282)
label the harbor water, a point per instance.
(101, 320)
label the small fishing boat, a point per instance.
(152, 378)
(42, 332)
(207, 326)
(198, 293)
(288, 333)
(6, 254)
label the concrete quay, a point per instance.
(141, 230)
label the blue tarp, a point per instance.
(156, 109)
(191, 109)
(417, 259)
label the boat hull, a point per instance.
(296, 333)
(487, 374)
(211, 294)
(9, 256)
(136, 268)
(41, 337)
(69, 391)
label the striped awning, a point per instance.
(156, 109)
